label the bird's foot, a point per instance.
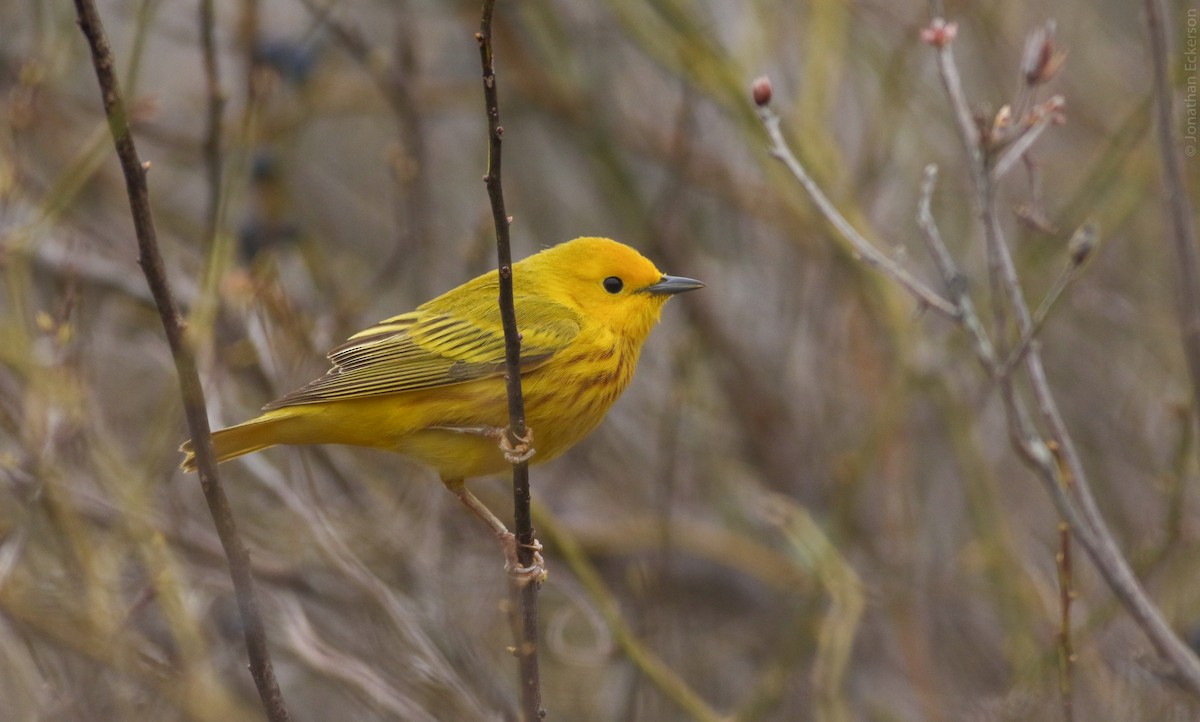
(520, 452)
(534, 573)
(517, 453)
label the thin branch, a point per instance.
(527, 629)
(953, 278)
(1079, 248)
(1187, 255)
(1066, 595)
(942, 34)
(1043, 116)
(185, 363)
(865, 250)
(1100, 544)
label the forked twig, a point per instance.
(1055, 458)
(992, 148)
(863, 248)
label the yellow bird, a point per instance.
(429, 384)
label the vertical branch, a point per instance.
(1187, 256)
(1066, 653)
(212, 131)
(185, 363)
(523, 521)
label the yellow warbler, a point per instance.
(429, 384)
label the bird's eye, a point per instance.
(613, 285)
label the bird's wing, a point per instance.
(435, 346)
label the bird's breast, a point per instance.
(567, 398)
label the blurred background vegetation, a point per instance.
(806, 505)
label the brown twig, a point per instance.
(527, 647)
(185, 363)
(1066, 653)
(1187, 255)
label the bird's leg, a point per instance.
(535, 572)
(517, 453)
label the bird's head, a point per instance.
(609, 283)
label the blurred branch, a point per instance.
(330, 662)
(212, 132)
(693, 537)
(84, 632)
(1066, 594)
(396, 83)
(434, 665)
(1187, 255)
(651, 665)
(526, 631)
(185, 363)
(835, 635)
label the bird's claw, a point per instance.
(520, 452)
(517, 453)
(535, 573)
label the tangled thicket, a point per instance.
(806, 505)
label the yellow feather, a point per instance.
(584, 309)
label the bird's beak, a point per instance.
(670, 285)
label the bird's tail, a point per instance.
(235, 441)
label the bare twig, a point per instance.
(1056, 459)
(1079, 248)
(185, 363)
(953, 278)
(527, 646)
(1066, 653)
(1043, 116)
(1187, 255)
(865, 250)
(940, 35)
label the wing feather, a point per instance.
(439, 344)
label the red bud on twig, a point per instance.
(940, 33)
(1041, 60)
(760, 90)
